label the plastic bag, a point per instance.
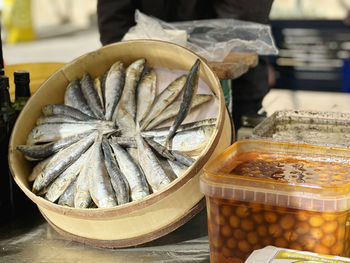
(212, 39)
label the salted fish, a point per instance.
(98, 88)
(167, 96)
(119, 183)
(154, 172)
(178, 168)
(74, 97)
(136, 179)
(82, 197)
(67, 198)
(91, 96)
(61, 161)
(146, 93)
(114, 85)
(62, 109)
(190, 90)
(100, 186)
(173, 109)
(38, 168)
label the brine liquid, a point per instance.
(238, 228)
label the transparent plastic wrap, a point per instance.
(212, 39)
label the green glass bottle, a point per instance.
(22, 90)
(7, 120)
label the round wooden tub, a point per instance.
(140, 221)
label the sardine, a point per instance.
(98, 88)
(114, 88)
(65, 179)
(74, 97)
(160, 149)
(190, 90)
(82, 197)
(125, 122)
(54, 119)
(168, 169)
(173, 109)
(119, 183)
(100, 186)
(40, 151)
(91, 96)
(62, 109)
(132, 76)
(37, 169)
(136, 179)
(178, 168)
(125, 141)
(146, 92)
(154, 172)
(162, 100)
(67, 198)
(183, 158)
(190, 142)
(163, 131)
(49, 132)
(61, 161)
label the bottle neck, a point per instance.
(5, 100)
(22, 90)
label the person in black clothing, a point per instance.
(115, 17)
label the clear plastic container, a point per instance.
(262, 192)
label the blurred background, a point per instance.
(313, 37)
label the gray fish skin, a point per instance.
(67, 198)
(146, 93)
(37, 169)
(165, 130)
(74, 97)
(136, 179)
(98, 88)
(55, 119)
(49, 132)
(190, 142)
(160, 149)
(125, 141)
(168, 169)
(41, 151)
(65, 179)
(183, 158)
(162, 100)
(62, 109)
(191, 87)
(119, 183)
(91, 96)
(178, 168)
(125, 122)
(154, 172)
(114, 88)
(128, 98)
(100, 186)
(82, 197)
(61, 161)
(173, 109)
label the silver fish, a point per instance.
(173, 109)
(61, 161)
(183, 158)
(91, 96)
(62, 109)
(98, 88)
(82, 197)
(132, 77)
(114, 87)
(146, 93)
(55, 119)
(65, 179)
(100, 186)
(37, 169)
(190, 142)
(163, 131)
(125, 122)
(125, 141)
(136, 179)
(118, 180)
(67, 198)
(162, 100)
(160, 149)
(154, 172)
(74, 97)
(191, 87)
(178, 168)
(40, 151)
(49, 132)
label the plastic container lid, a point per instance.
(299, 176)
